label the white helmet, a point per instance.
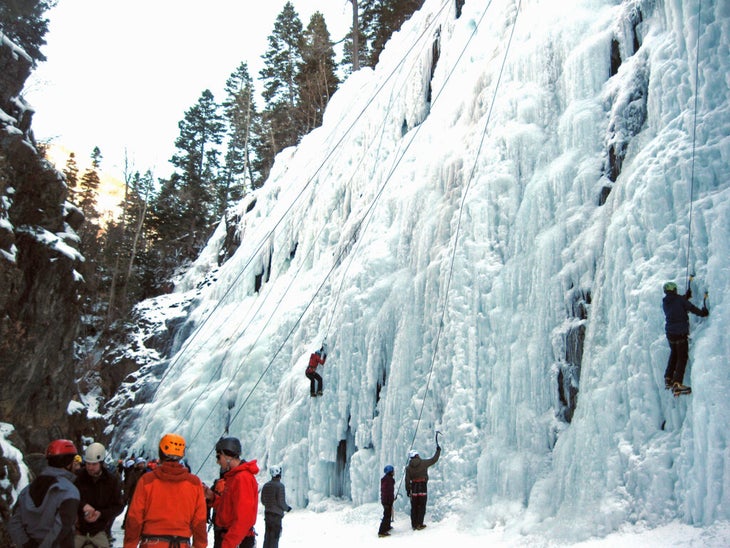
(412, 453)
(275, 471)
(95, 453)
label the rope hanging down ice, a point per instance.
(689, 275)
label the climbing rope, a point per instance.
(694, 143)
(459, 219)
(259, 247)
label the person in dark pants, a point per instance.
(273, 497)
(387, 497)
(416, 485)
(676, 308)
(317, 358)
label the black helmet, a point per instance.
(229, 446)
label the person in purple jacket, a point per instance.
(387, 497)
(676, 308)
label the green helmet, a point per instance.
(670, 287)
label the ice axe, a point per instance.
(438, 433)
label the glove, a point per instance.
(705, 312)
(688, 295)
(438, 447)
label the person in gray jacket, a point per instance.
(416, 481)
(273, 497)
(45, 513)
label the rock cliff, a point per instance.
(38, 279)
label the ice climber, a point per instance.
(236, 506)
(168, 506)
(317, 358)
(45, 512)
(676, 308)
(416, 481)
(387, 497)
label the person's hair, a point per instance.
(60, 461)
(230, 447)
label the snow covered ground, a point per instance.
(336, 524)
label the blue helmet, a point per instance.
(388, 469)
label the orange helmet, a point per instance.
(172, 445)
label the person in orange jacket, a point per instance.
(168, 505)
(236, 507)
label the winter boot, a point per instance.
(312, 395)
(386, 534)
(319, 392)
(678, 388)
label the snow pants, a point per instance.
(273, 530)
(678, 355)
(314, 376)
(387, 518)
(418, 509)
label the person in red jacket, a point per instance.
(236, 507)
(317, 358)
(168, 505)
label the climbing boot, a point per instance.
(319, 392)
(678, 388)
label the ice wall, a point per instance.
(482, 244)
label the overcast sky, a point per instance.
(122, 74)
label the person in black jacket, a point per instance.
(101, 500)
(273, 497)
(676, 308)
(387, 497)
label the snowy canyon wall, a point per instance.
(479, 231)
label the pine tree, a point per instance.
(278, 128)
(89, 189)
(201, 132)
(380, 19)
(24, 23)
(71, 172)
(354, 41)
(240, 112)
(316, 76)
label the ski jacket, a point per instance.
(676, 308)
(236, 508)
(316, 359)
(130, 482)
(167, 502)
(103, 494)
(387, 490)
(45, 512)
(417, 473)
(273, 497)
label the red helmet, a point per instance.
(61, 447)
